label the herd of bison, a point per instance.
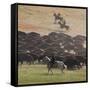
(32, 48)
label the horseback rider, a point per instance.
(57, 17)
(52, 61)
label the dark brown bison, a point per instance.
(73, 62)
(23, 57)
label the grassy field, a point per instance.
(36, 74)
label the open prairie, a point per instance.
(36, 74)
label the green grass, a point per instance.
(36, 74)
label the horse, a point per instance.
(63, 25)
(60, 65)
